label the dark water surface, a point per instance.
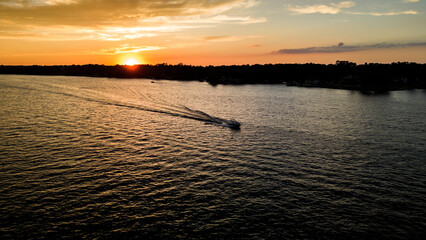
(116, 159)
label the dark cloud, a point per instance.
(341, 47)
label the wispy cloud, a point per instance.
(200, 21)
(341, 47)
(335, 8)
(222, 6)
(332, 8)
(112, 12)
(385, 13)
(236, 20)
(411, 1)
(35, 3)
(127, 48)
(67, 33)
(98, 17)
(226, 38)
(127, 33)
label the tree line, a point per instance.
(342, 74)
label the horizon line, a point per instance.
(208, 65)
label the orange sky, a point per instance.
(204, 32)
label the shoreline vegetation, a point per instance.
(367, 77)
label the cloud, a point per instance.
(385, 13)
(236, 20)
(35, 3)
(333, 8)
(127, 48)
(197, 21)
(111, 19)
(410, 1)
(111, 12)
(226, 38)
(341, 47)
(222, 6)
(67, 33)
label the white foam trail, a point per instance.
(150, 104)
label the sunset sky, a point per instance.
(216, 32)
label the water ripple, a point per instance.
(98, 158)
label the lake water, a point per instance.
(125, 158)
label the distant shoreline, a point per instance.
(342, 75)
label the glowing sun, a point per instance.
(131, 62)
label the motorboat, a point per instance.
(233, 124)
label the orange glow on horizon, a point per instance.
(131, 62)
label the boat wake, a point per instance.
(145, 103)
